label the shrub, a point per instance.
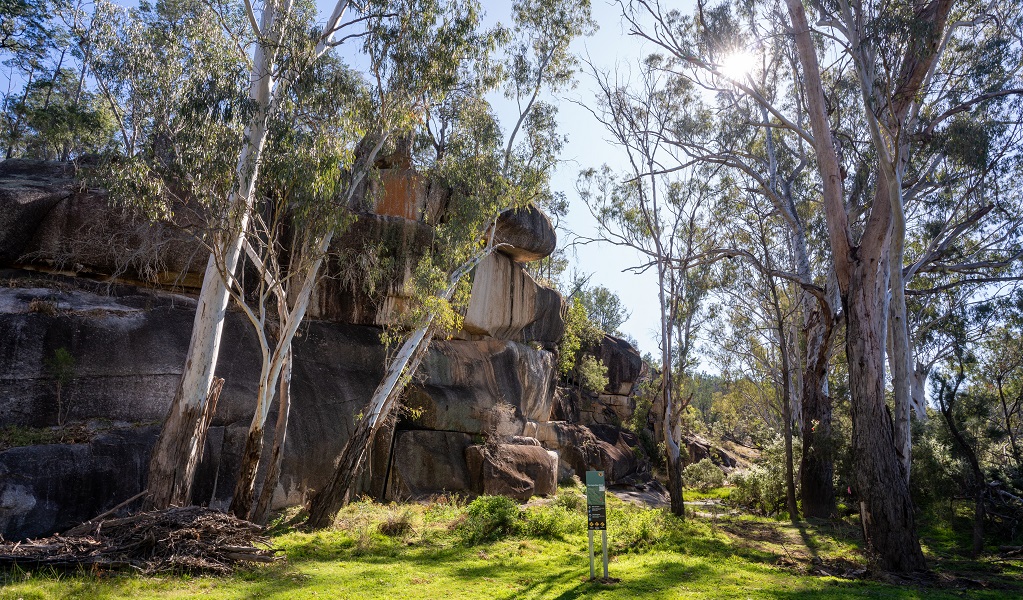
(569, 500)
(488, 518)
(397, 524)
(703, 475)
(546, 521)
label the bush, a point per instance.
(488, 518)
(570, 501)
(547, 521)
(703, 475)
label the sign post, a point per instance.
(596, 514)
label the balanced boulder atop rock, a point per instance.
(528, 232)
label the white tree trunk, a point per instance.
(175, 455)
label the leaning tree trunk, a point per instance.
(886, 509)
(328, 501)
(273, 474)
(326, 504)
(175, 455)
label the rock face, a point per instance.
(54, 487)
(506, 300)
(515, 470)
(128, 345)
(583, 448)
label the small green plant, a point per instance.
(703, 475)
(569, 500)
(61, 367)
(488, 518)
(547, 522)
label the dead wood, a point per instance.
(192, 539)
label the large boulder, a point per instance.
(594, 448)
(365, 276)
(51, 488)
(28, 192)
(528, 233)
(404, 193)
(519, 471)
(624, 364)
(505, 300)
(487, 387)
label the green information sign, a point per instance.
(596, 514)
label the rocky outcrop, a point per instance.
(528, 234)
(515, 470)
(404, 193)
(128, 348)
(128, 345)
(27, 195)
(624, 364)
(506, 300)
(482, 388)
(426, 463)
(365, 278)
(54, 487)
(594, 448)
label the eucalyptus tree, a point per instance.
(881, 90)
(730, 126)
(660, 214)
(486, 174)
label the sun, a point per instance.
(737, 65)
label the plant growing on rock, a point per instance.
(61, 367)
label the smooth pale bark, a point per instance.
(174, 459)
(261, 512)
(886, 509)
(241, 502)
(917, 388)
(382, 405)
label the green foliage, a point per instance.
(703, 475)
(488, 518)
(604, 308)
(61, 368)
(580, 333)
(550, 522)
(761, 488)
(591, 374)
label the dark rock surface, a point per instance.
(425, 463)
(513, 470)
(51, 488)
(485, 387)
(594, 448)
(129, 347)
(28, 192)
(529, 233)
(623, 362)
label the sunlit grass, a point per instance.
(420, 551)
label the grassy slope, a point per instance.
(654, 556)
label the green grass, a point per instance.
(429, 554)
(718, 493)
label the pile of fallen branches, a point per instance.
(191, 539)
